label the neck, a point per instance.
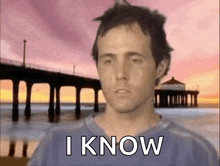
(132, 123)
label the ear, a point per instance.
(161, 68)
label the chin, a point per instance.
(125, 108)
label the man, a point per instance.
(132, 55)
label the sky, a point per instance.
(60, 35)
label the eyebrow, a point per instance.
(134, 54)
(129, 54)
(107, 55)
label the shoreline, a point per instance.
(200, 105)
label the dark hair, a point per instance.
(151, 22)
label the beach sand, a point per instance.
(207, 126)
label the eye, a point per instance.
(136, 60)
(107, 61)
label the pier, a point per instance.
(17, 72)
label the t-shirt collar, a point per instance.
(97, 131)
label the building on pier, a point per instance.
(173, 93)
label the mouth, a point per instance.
(122, 91)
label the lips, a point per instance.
(122, 91)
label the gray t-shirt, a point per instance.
(180, 147)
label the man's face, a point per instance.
(126, 68)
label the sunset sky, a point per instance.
(60, 34)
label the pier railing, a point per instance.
(39, 67)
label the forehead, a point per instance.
(132, 34)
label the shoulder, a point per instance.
(53, 146)
(195, 147)
(181, 133)
(75, 126)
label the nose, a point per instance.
(121, 71)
